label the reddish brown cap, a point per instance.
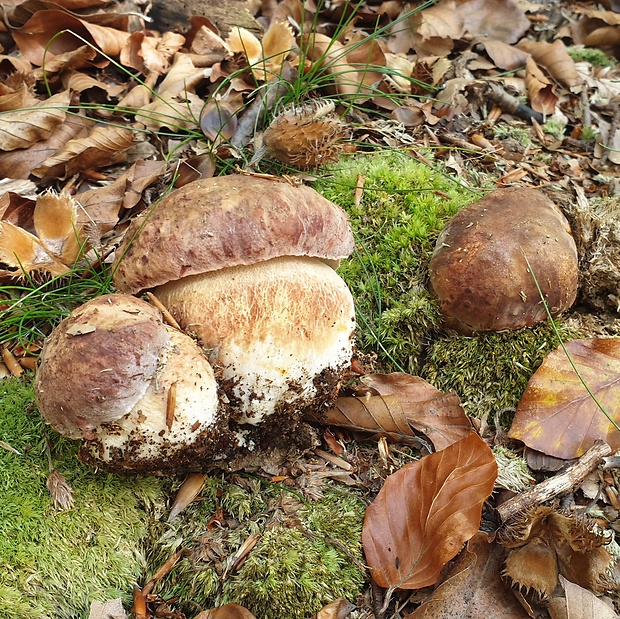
(229, 221)
(479, 269)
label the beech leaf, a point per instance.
(473, 587)
(425, 512)
(556, 414)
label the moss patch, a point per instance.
(297, 566)
(490, 370)
(404, 206)
(55, 563)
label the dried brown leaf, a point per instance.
(502, 20)
(578, 603)
(38, 42)
(556, 415)
(425, 512)
(338, 609)
(20, 163)
(55, 222)
(228, 611)
(60, 491)
(435, 29)
(473, 588)
(22, 128)
(105, 145)
(438, 415)
(540, 90)
(555, 59)
(503, 55)
(189, 490)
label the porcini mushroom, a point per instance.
(242, 262)
(479, 269)
(141, 393)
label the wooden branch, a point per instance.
(555, 486)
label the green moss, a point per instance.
(294, 569)
(595, 57)
(55, 563)
(520, 134)
(554, 128)
(404, 206)
(490, 370)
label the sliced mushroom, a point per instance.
(479, 269)
(240, 262)
(142, 394)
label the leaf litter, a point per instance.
(450, 77)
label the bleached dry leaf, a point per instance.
(22, 128)
(435, 29)
(277, 44)
(60, 491)
(579, 603)
(176, 111)
(105, 145)
(111, 609)
(425, 512)
(183, 77)
(245, 42)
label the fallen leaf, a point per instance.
(435, 29)
(425, 512)
(555, 59)
(505, 56)
(556, 414)
(473, 587)
(21, 128)
(502, 20)
(540, 90)
(338, 609)
(228, 611)
(188, 491)
(111, 609)
(578, 603)
(438, 415)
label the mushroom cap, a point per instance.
(479, 270)
(282, 331)
(228, 221)
(164, 433)
(98, 363)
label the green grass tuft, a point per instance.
(595, 57)
(404, 206)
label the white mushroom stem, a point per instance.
(276, 327)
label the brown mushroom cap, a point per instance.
(479, 270)
(98, 363)
(229, 221)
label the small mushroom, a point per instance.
(242, 262)
(479, 269)
(141, 393)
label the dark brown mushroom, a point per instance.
(479, 269)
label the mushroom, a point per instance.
(479, 269)
(245, 264)
(141, 393)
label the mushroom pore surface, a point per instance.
(228, 221)
(281, 329)
(479, 267)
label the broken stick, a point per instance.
(555, 486)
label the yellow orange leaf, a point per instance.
(55, 219)
(556, 414)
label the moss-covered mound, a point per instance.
(404, 206)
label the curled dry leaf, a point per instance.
(338, 609)
(555, 59)
(556, 414)
(189, 490)
(404, 402)
(425, 512)
(472, 587)
(38, 42)
(540, 90)
(502, 20)
(435, 29)
(22, 128)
